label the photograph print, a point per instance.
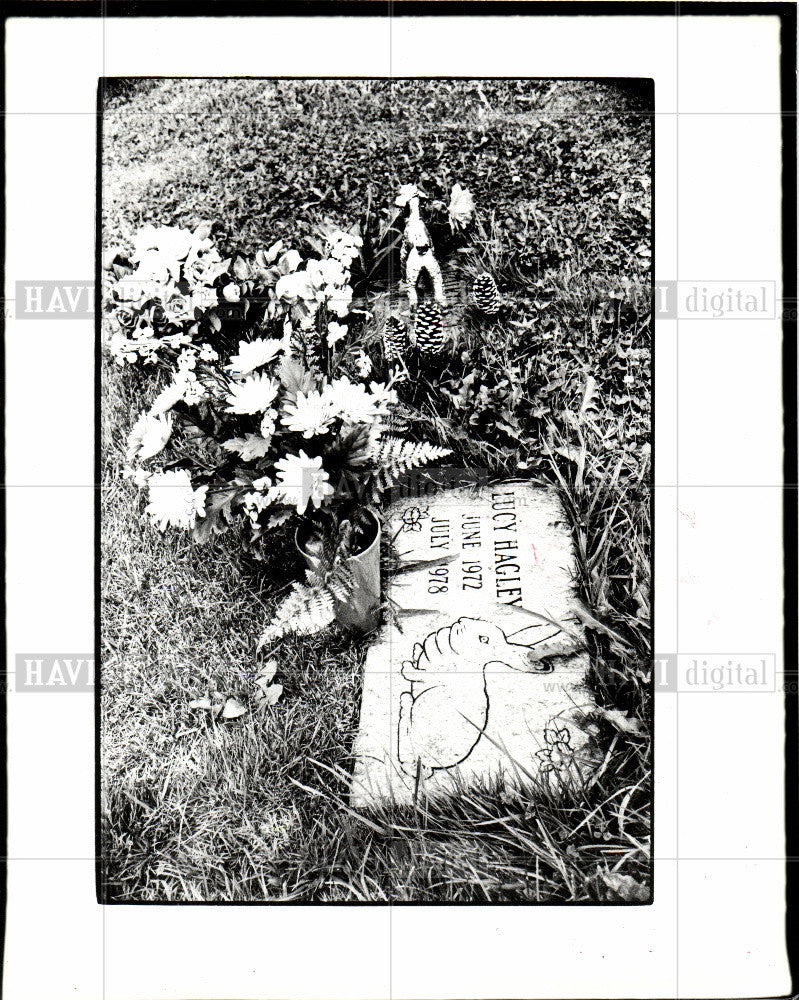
(376, 453)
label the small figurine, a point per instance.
(417, 250)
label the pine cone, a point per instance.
(429, 328)
(395, 339)
(485, 294)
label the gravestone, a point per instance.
(481, 676)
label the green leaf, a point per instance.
(233, 709)
(272, 694)
(217, 505)
(294, 377)
(266, 674)
(610, 886)
(620, 721)
(249, 447)
(241, 269)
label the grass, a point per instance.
(558, 387)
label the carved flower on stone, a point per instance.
(558, 754)
(412, 518)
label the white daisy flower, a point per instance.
(302, 480)
(253, 395)
(254, 354)
(351, 401)
(149, 436)
(268, 424)
(140, 477)
(335, 333)
(173, 501)
(311, 414)
(382, 396)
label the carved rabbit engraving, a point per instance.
(445, 713)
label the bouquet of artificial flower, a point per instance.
(267, 414)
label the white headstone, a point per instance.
(482, 675)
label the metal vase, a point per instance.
(361, 610)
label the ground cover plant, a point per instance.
(211, 791)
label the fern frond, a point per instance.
(340, 590)
(394, 456)
(304, 611)
(341, 582)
